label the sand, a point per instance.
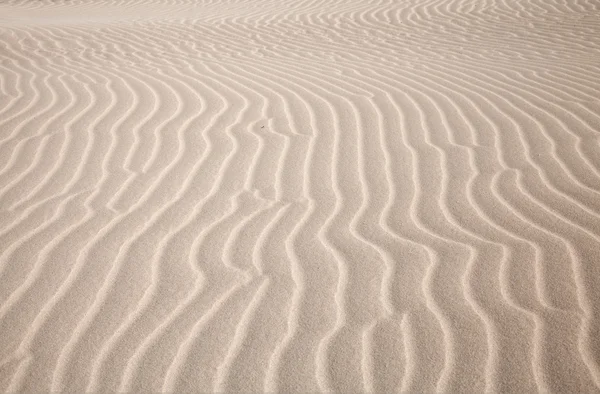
(300, 196)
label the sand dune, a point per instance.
(308, 196)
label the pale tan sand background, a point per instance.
(300, 196)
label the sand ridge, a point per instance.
(309, 196)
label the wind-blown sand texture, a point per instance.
(300, 196)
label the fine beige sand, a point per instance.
(300, 196)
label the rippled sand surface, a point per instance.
(300, 196)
